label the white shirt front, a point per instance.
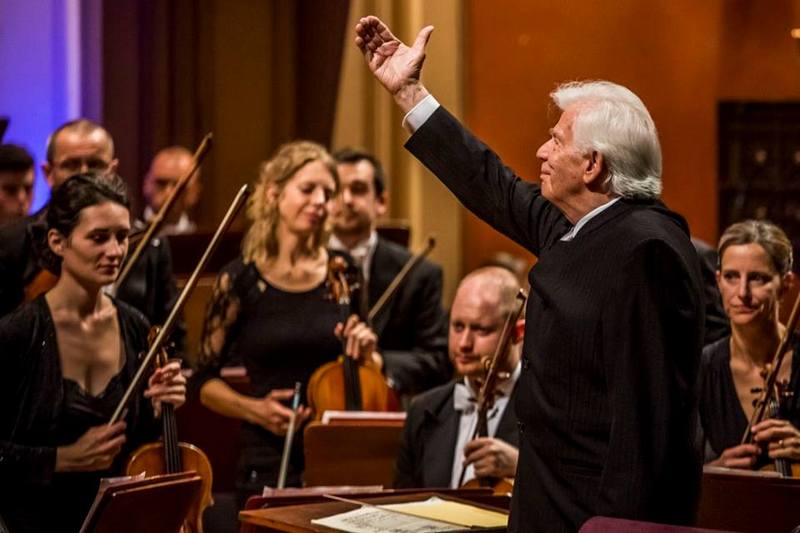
(568, 236)
(468, 421)
(362, 253)
(183, 226)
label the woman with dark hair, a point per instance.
(754, 274)
(271, 311)
(67, 358)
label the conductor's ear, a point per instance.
(595, 170)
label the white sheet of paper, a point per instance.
(375, 520)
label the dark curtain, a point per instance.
(169, 65)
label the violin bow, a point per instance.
(158, 219)
(771, 380)
(486, 392)
(169, 324)
(399, 279)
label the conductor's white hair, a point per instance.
(614, 122)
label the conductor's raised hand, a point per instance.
(396, 65)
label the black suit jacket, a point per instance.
(607, 399)
(412, 328)
(429, 438)
(18, 264)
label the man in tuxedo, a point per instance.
(76, 147)
(412, 327)
(607, 401)
(437, 437)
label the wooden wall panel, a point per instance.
(681, 57)
(666, 52)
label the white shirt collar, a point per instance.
(568, 236)
(362, 252)
(182, 226)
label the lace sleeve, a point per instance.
(218, 329)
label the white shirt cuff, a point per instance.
(420, 113)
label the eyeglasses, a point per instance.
(77, 164)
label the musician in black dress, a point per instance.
(67, 358)
(271, 310)
(754, 274)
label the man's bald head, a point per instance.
(77, 147)
(167, 168)
(494, 286)
(483, 302)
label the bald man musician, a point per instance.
(166, 169)
(437, 437)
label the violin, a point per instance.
(773, 396)
(346, 384)
(169, 456)
(486, 398)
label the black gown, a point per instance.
(41, 410)
(721, 414)
(280, 337)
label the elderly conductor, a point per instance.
(606, 400)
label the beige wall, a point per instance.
(367, 117)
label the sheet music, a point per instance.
(376, 520)
(388, 416)
(453, 512)
(428, 516)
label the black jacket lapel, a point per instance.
(439, 434)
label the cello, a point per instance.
(345, 384)
(486, 398)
